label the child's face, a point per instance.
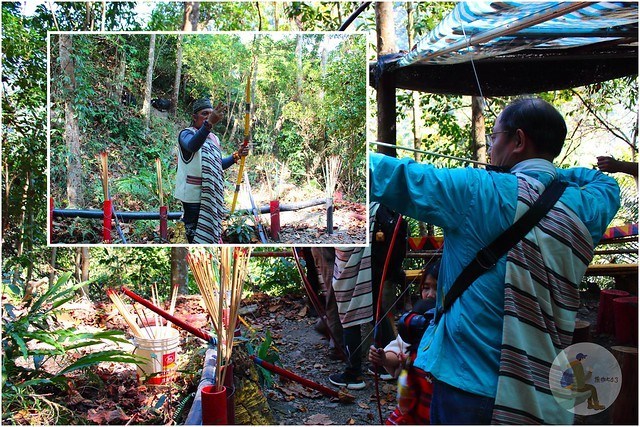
(429, 288)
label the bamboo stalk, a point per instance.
(331, 173)
(159, 175)
(174, 298)
(220, 280)
(156, 302)
(104, 169)
(147, 329)
(124, 312)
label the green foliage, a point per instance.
(137, 268)
(239, 230)
(266, 351)
(276, 276)
(31, 337)
(24, 142)
(324, 16)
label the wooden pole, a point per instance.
(386, 91)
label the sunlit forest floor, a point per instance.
(113, 393)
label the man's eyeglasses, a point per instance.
(492, 136)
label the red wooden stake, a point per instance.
(163, 223)
(274, 209)
(106, 221)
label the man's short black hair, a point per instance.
(539, 120)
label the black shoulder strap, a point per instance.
(488, 256)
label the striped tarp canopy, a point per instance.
(475, 30)
(511, 48)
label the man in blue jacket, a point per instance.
(490, 354)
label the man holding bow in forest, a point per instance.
(199, 180)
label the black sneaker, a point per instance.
(382, 374)
(349, 381)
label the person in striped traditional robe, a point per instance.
(490, 355)
(200, 179)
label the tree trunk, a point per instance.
(179, 273)
(276, 17)
(146, 106)
(52, 263)
(299, 66)
(191, 16)
(118, 86)
(21, 226)
(71, 130)
(415, 95)
(88, 16)
(386, 94)
(104, 15)
(176, 82)
(478, 147)
(84, 264)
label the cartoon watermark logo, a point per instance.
(585, 378)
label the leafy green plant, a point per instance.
(239, 230)
(276, 276)
(32, 337)
(266, 352)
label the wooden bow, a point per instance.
(245, 142)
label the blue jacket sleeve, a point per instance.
(191, 142)
(439, 196)
(227, 162)
(596, 195)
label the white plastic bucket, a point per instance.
(161, 354)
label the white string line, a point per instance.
(430, 153)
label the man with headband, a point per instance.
(199, 180)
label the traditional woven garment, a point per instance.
(352, 285)
(212, 198)
(540, 304)
(352, 281)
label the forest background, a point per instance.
(602, 119)
(308, 103)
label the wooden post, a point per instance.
(163, 223)
(274, 209)
(329, 215)
(386, 91)
(625, 408)
(106, 221)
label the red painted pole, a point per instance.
(163, 222)
(274, 209)
(106, 221)
(290, 375)
(180, 323)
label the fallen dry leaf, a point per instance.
(318, 420)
